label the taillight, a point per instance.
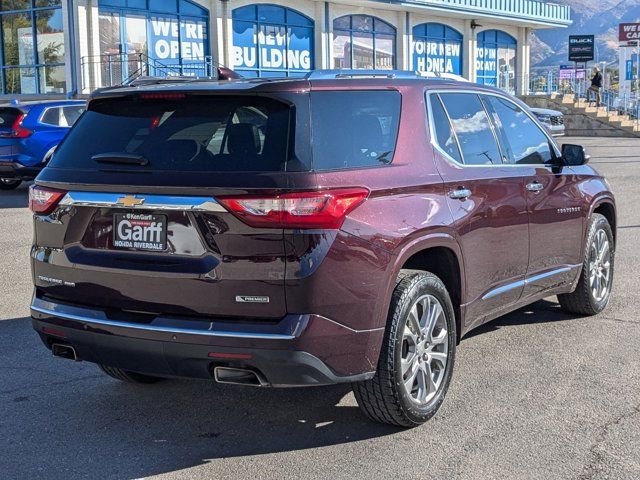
(321, 209)
(43, 200)
(17, 130)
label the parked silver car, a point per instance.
(552, 119)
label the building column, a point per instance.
(329, 35)
(214, 34)
(523, 61)
(87, 46)
(320, 54)
(224, 32)
(409, 33)
(469, 47)
(402, 62)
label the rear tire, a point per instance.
(416, 363)
(129, 377)
(593, 291)
(9, 183)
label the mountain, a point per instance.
(590, 17)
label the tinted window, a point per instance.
(472, 127)
(193, 134)
(8, 116)
(51, 116)
(70, 115)
(523, 140)
(354, 129)
(444, 134)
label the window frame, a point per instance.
(32, 11)
(287, 25)
(373, 32)
(479, 93)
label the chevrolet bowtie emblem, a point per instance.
(129, 201)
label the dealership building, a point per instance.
(70, 47)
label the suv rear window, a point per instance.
(8, 116)
(193, 134)
(353, 129)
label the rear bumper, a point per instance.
(299, 350)
(10, 169)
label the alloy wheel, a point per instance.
(600, 266)
(425, 347)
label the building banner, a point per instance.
(437, 56)
(170, 40)
(271, 47)
(487, 64)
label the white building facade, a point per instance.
(71, 47)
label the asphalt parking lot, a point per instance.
(535, 394)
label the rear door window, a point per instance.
(472, 127)
(206, 134)
(70, 115)
(51, 116)
(354, 129)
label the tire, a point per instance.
(586, 299)
(9, 183)
(129, 377)
(385, 398)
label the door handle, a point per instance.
(535, 187)
(460, 193)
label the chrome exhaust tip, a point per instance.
(64, 351)
(239, 376)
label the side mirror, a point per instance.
(574, 155)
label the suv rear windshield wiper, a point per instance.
(120, 158)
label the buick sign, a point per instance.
(581, 48)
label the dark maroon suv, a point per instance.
(344, 227)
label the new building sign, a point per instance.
(581, 48)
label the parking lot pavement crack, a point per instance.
(597, 453)
(621, 320)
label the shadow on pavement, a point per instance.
(18, 198)
(59, 415)
(543, 311)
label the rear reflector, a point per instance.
(230, 356)
(324, 209)
(43, 200)
(53, 331)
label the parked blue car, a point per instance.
(29, 134)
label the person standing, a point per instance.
(596, 85)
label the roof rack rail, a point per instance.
(341, 74)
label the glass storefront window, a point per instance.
(363, 42)
(8, 5)
(152, 37)
(33, 53)
(436, 48)
(496, 60)
(50, 36)
(272, 41)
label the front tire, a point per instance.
(593, 291)
(417, 356)
(9, 183)
(127, 376)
